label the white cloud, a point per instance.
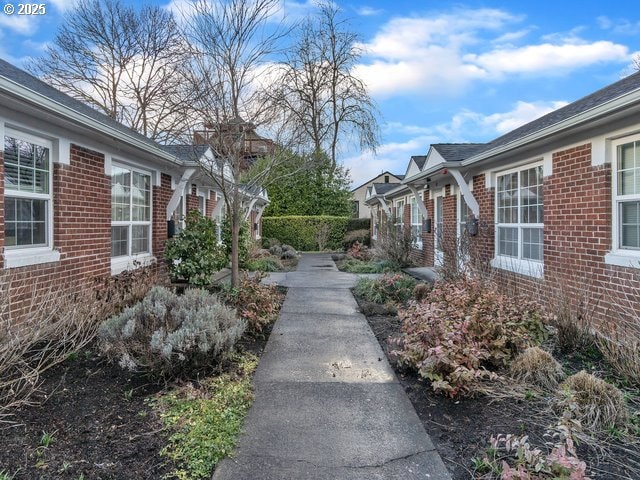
(620, 26)
(548, 58)
(20, 24)
(366, 11)
(62, 5)
(465, 126)
(441, 54)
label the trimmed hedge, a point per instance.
(358, 224)
(302, 232)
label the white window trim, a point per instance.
(621, 257)
(23, 256)
(399, 218)
(131, 262)
(416, 222)
(522, 266)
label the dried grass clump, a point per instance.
(421, 291)
(537, 367)
(597, 404)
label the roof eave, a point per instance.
(29, 96)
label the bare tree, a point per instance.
(129, 64)
(325, 102)
(235, 42)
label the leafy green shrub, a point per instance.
(195, 255)
(390, 288)
(358, 224)
(167, 334)
(356, 236)
(264, 264)
(302, 233)
(258, 304)
(462, 331)
(206, 422)
(245, 243)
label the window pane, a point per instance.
(532, 241)
(630, 225)
(139, 239)
(41, 181)
(120, 194)
(25, 154)
(26, 166)
(25, 222)
(626, 156)
(508, 241)
(119, 241)
(508, 198)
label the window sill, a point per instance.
(521, 267)
(620, 258)
(122, 264)
(30, 256)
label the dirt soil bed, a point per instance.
(461, 429)
(100, 420)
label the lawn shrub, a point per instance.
(195, 255)
(264, 264)
(358, 266)
(245, 242)
(597, 404)
(258, 304)
(393, 244)
(358, 224)
(463, 331)
(356, 236)
(359, 251)
(304, 233)
(389, 288)
(537, 367)
(167, 335)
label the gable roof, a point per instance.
(386, 172)
(456, 152)
(584, 104)
(187, 153)
(19, 83)
(382, 188)
(419, 160)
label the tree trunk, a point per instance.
(235, 240)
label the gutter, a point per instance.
(30, 96)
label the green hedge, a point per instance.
(358, 224)
(302, 232)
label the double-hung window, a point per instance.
(130, 212)
(627, 197)
(520, 222)
(399, 215)
(28, 230)
(416, 222)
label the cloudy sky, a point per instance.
(443, 71)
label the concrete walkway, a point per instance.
(328, 405)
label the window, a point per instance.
(130, 212)
(416, 222)
(27, 184)
(520, 222)
(386, 179)
(202, 206)
(355, 209)
(464, 215)
(627, 195)
(399, 214)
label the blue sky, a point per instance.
(443, 71)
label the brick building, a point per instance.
(551, 206)
(84, 197)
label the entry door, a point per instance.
(438, 232)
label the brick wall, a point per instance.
(82, 231)
(161, 196)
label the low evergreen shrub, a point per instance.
(304, 233)
(167, 335)
(195, 255)
(264, 264)
(389, 288)
(463, 331)
(358, 224)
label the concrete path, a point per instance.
(328, 405)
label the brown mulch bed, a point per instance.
(461, 429)
(100, 420)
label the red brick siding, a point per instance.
(82, 229)
(161, 196)
(192, 201)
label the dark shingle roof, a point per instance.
(419, 160)
(604, 95)
(27, 80)
(188, 153)
(400, 177)
(382, 188)
(455, 152)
